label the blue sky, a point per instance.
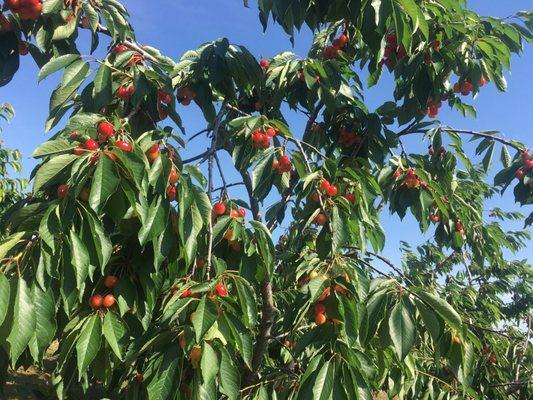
(179, 25)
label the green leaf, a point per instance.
(45, 318)
(50, 170)
(162, 385)
(4, 297)
(8, 243)
(229, 375)
(23, 326)
(402, 329)
(115, 333)
(73, 77)
(323, 384)
(103, 87)
(209, 363)
(53, 147)
(55, 64)
(247, 301)
(204, 317)
(80, 260)
(442, 307)
(89, 342)
(105, 182)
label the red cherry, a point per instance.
(123, 93)
(427, 58)
(457, 87)
(62, 191)
(466, 88)
(110, 281)
(265, 142)
(391, 39)
(91, 144)
(332, 191)
(320, 319)
(320, 308)
(221, 290)
(483, 81)
(343, 40)
(264, 63)
(325, 294)
(459, 225)
(109, 301)
(96, 301)
(106, 129)
(320, 219)
(219, 208)
(528, 164)
(171, 192)
(270, 132)
(350, 197)
(79, 151)
(234, 213)
(520, 174)
(164, 97)
(121, 144)
(324, 184)
(485, 350)
(436, 45)
(242, 212)
(173, 176)
(525, 155)
(119, 48)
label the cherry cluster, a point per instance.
(527, 163)
(332, 51)
(220, 209)
(185, 95)
(27, 10)
(98, 301)
(283, 164)
(393, 52)
(348, 137)
(261, 140)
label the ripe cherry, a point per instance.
(325, 294)
(320, 308)
(173, 176)
(343, 40)
(350, 197)
(123, 93)
(483, 81)
(321, 219)
(525, 155)
(221, 290)
(219, 208)
(320, 319)
(186, 293)
(324, 184)
(121, 144)
(332, 191)
(171, 192)
(520, 174)
(270, 132)
(62, 191)
(106, 129)
(485, 350)
(109, 301)
(164, 97)
(153, 153)
(110, 281)
(234, 213)
(264, 63)
(528, 164)
(119, 48)
(434, 218)
(435, 44)
(91, 145)
(459, 226)
(242, 212)
(96, 301)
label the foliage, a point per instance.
(10, 188)
(155, 291)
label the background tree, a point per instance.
(161, 286)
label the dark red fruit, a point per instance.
(96, 301)
(219, 208)
(121, 144)
(350, 197)
(62, 191)
(173, 176)
(221, 290)
(91, 145)
(110, 281)
(109, 301)
(520, 174)
(171, 192)
(265, 64)
(106, 129)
